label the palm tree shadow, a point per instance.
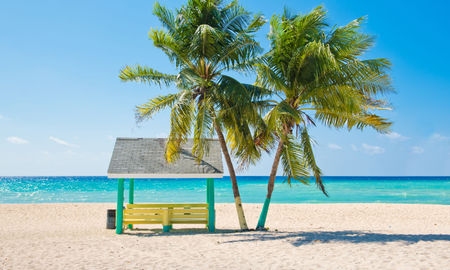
(305, 238)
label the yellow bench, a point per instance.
(166, 214)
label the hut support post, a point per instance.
(119, 210)
(131, 197)
(210, 201)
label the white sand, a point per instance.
(301, 236)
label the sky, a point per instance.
(62, 104)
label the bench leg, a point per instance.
(166, 217)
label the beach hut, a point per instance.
(144, 158)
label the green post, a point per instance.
(210, 201)
(207, 190)
(263, 216)
(119, 210)
(131, 197)
(207, 197)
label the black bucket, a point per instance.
(111, 219)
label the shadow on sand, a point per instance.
(187, 231)
(301, 238)
(305, 238)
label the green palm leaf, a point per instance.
(293, 161)
(310, 160)
(349, 120)
(154, 105)
(181, 119)
(148, 75)
(203, 128)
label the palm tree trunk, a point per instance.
(273, 174)
(237, 196)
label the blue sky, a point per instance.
(62, 104)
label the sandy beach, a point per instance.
(300, 236)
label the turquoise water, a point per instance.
(431, 190)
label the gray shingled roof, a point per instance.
(144, 158)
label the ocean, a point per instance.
(342, 189)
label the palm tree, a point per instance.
(317, 76)
(204, 39)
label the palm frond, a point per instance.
(148, 75)
(176, 52)
(204, 41)
(271, 77)
(293, 160)
(154, 105)
(181, 119)
(165, 16)
(347, 43)
(203, 126)
(238, 52)
(350, 120)
(282, 113)
(310, 160)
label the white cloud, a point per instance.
(372, 149)
(59, 141)
(354, 148)
(417, 150)
(395, 136)
(111, 138)
(439, 137)
(16, 140)
(333, 146)
(2, 117)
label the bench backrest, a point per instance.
(166, 213)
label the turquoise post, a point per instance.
(210, 201)
(207, 197)
(131, 197)
(263, 216)
(207, 190)
(119, 210)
